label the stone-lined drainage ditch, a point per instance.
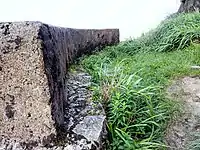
(84, 119)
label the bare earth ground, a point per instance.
(184, 132)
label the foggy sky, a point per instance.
(132, 17)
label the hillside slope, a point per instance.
(131, 80)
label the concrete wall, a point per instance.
(34, 58)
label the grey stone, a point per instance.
(57, 148)
(72, 147)
(71, 92)
(80, 145)
(85, 85)
(81, 98)
(71, 122)
(73, 97)
(90, 127)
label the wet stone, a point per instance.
(85, 120)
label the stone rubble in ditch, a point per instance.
(85, 120)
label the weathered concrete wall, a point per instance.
(34, 58)
(189, 6)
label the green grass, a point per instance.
(174, 33)
(130, 80)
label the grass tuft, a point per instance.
(174, 33)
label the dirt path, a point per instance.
(184, 133)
